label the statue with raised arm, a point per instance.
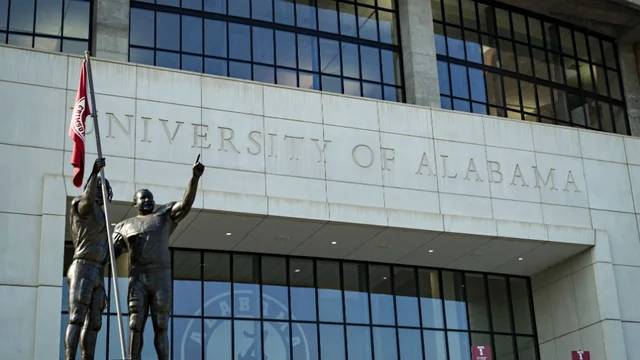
(146, 237)
(87, 297)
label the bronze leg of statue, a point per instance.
(160, 309)
(93, 323)
(80, 289)
(138, 309)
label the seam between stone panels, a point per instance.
(577, 270)
(535, 160)
(264, 153)
(324, 160)
(586, 181)
(37, 85)
(581, 328)
(253, 228)
(312, 234)
(382, 174)
(31, 286)
(486, 156)
(435, 160)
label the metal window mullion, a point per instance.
(487, 295)
(416, 273)
(368, 290)
(344, 313)
(533, 319)
(289, 309)
(173, 253)
(233, 301)
(575, 58)
(260, 304)
(202, 336)
(513, 320)
(395, 309)
(466, 302)
(594, 87)
(444, 311)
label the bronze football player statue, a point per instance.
(146, 237)
(87, 297)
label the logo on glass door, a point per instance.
(246, 336)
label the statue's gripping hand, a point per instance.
(198, 168)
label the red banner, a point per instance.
(77, 127)
(481, 352)
(580, 355)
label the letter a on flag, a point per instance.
(76, 128)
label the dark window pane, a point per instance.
(452, 11)
(192, 34)
(524, 60)
(167, 59)
(216, 6)
(275, 294)
(454, 42)
(167, 2)
(390, 67)
(285, 49)
(286, 77)
(215, 66)
(406, 297)
(192, 63)
(247, 339)
(384, 343)
(545, 101)
(239, 8)
(562, 108)
(477, 302)
(141, 56)
(262, 9)
(519, 27)
(284, 12)
(186, 283)
(142, 27)
(327, 16)
(435, 347)
(430, 298)
(535, 32)
(469, 14)
(555, 65)
(263, 45)
(355, 290)
(370, 63)
(245, 288)
(473, 47)
(331, 342)
(521, 309)
(48, 20)
(239, 42)
(441, 41)
(388, 26)
(504, 347)
(500, 308)
(329, 288)
(528, 92)
(303, 294)
(526, 348)
(490, 51)
(367, 23)
(476, 81)
(619, 117)
(486, 17)
(168, 31)
(600, 80)
(350, 60)
(552, 36)
(352, 87)
(511, 92)
(507, 55)
(329, 56)
(595, 50)
(540, 65)
(614, 85)
(436, 10)
(455, 307)
(581, 45)
(306, 14)
(459, 347)
(571, 71)
(331, 83)
(45, 43)
(586, 79)
(347, 19)
(358, 343)
(21, 16)
(566, 41)
(307, 80)
(503, 23)
(494, 88)
(215, 36)
(459, 81)
(387, 4)
(217, 285)
(308, 53)
(409, 344)
(382, 310)
(76, 18)
(606, 120)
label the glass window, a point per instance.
(142, 27)
(382, 308)
(275, 293)
(246, 291)
(328, 16)
(499, 299)
(329, 290)
(186, 284)
(390, 67)
(503, 23)
(45, 22)
(215, 37)
(430, 298)
(284, 11)
(350, 60)
(370, 63)
(410, 344)
(239, 8)
(215, 6)
(388, 27)
(358, 343)
(367, 23)
(469, 17)
(476, 82)
(304, 341)
(405, 282)
(276, 340)
(192, 34)
(332, 342)
(306, 14)
(526, 348)
(356, 297)
(384, 343)
(504, 347)
(459, 81)
(459, 347)
(217, 285)
(262, 45)
(477, 302)
(454, 303)
(262, 10)
(452, 11)
(455, 45)
(303, 293)
(308, 53)
(473, 47)
(239, 42)
(167, 31)
(240, 70)
(247, 339)
(4, 14)
(434, 345)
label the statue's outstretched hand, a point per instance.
(198, 168)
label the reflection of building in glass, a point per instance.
(274, 307)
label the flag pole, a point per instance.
(94, 114)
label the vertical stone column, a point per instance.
(111, 29)
(629, 55)
(419, 53)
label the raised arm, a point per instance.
(182, 208)
(88, 198)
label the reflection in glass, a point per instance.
(303, 293)
(430, 298)
(217, 287)
(350, 61)
(245, 288)
(452, 11)
(262, 45)
(167, 31)
(239, 42)
(332, 342)
(327, 16)
(192, 34)
(473, 47)
(481, 339)
(329, 293)
(476, 82)
(459, 81)
(262, 9)
(356, 297)
(187, 333)
(367, 23)
(388, 26)
(504, 347)
(186, 283)
(358, 343)
(304, 341)
(370, 63)
(284, 11)
(521, 307)
(306, 14)
(285, 49)
(435, 347)
(410, 344)
(477, 302)
(382, 309)
(406, 296)
(247, 340)
(499, 299)
(455, 45)
(459, 347)
(21, 15)
(275, 294)
(308, 53)
(526, 348)
(217, 335)
(348, 19)
(454, 304)
(142, 27)
(215, 38)
(46, 22)
(384, 343)
(239, 8)
(276, 340)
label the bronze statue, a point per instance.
(146, 237)
(87, 297)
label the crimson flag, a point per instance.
(76, 128)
